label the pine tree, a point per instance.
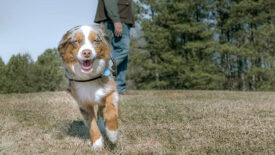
(2, 76)
(48, 72)
(201, 44)
(179, 49)
(19, 74)
(242, 27)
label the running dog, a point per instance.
(85, 52)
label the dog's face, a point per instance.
(85, 51)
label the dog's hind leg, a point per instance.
(100, 119)
(111, 117)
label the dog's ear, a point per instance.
(63, 42)
(102, 26)
(104, 33)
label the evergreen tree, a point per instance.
(19, 74)
(48, 72)
(2, 76)
(203, 44)
(179, 49)
(246, 47)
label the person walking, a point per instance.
(118, 18)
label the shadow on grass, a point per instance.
(78, 129)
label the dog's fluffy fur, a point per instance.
(85, 52)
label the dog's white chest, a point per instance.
(93, 93)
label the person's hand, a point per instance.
(118, 29)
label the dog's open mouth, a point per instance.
(86, 65)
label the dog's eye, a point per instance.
(75, 42)
(97, 40)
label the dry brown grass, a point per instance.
(152, 122)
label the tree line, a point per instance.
(190, 44)
(22, 75)
(204, 44)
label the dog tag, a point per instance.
(107, 72)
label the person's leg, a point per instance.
(121, 47)
(121, 76)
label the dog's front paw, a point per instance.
(112, 135)
(98, 144)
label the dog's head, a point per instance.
(85, 51)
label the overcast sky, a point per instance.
(31, 26)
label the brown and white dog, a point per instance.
(85, 52)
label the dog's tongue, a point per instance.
(87, 64)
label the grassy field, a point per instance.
(152, 122)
